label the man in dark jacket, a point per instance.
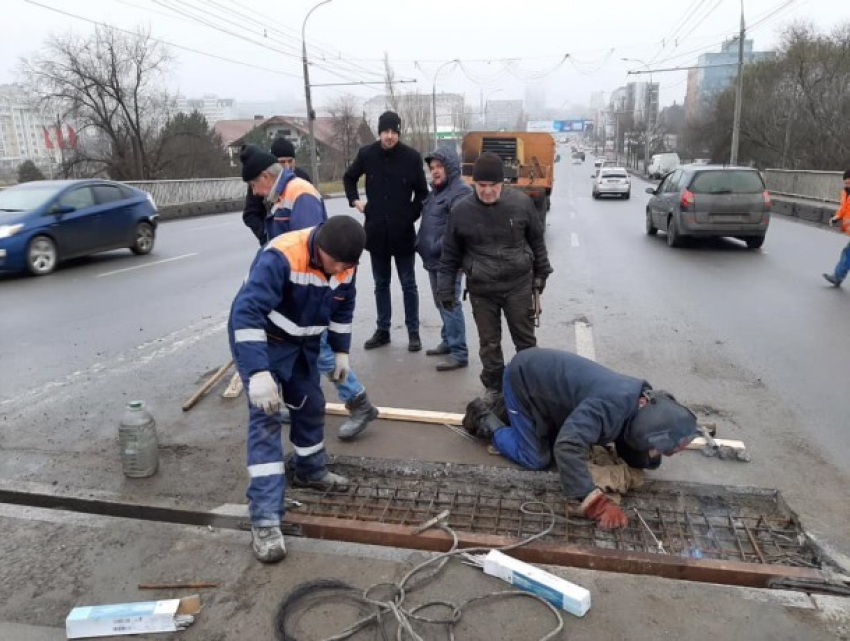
(559, 405)
(395, 189)
(496, 236)
(255, 211)
(449, 188)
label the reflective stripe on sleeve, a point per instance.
(312, 449)
(291, 328)
(340, 328)
(249, 336)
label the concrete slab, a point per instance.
(53, 561)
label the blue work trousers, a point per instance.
(453, 332)
(843, 265)
(519, 441)
(347, 389)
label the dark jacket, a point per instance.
(395, 189)
(256, 210)
(500, 246)
(436, 208)
(576, 403)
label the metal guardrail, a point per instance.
(168, 193)
(824, 186)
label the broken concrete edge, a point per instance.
(189, 210)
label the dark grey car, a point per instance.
(708, 201)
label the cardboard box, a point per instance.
(119, 619)
(557, 591)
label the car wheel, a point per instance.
(651, 229)
(754, 242)
(144, 239)
(674, 238)
(41, 256)
(627, 195)
(595, 196)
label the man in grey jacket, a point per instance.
(496, 237)
(448, 189)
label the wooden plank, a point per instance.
(215, 378)
(234, 388)
(451, 418)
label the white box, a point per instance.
(119, 619)
(557, 591)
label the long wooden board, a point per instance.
(452, 418)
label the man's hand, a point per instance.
(834, 221)
(263, 392)
(360, 206)
(538, 284)
(341, 367)
(447, 303)
(604, 511)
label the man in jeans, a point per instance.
(449, 188)
(496, 236)
(395, 189)
(842, 217)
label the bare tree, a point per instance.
(346, 123)
(107, 84)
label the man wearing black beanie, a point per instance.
(499, 231)
(395, 189)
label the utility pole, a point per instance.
(434, 98)
(311, 115)
(739, 94)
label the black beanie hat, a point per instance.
(488, 168)
(389, 120)
(282, 148)
(342, 238)
(254, 161)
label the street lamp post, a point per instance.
(739, 93)
(311, 115)
(434, 98)
(649, 111)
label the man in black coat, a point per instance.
(496, 237)
(255, 211)
(395, 189)
(559, 405)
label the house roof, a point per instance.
(323, 128)
(232, 131)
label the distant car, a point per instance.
(662, 164)
(45, 222)
(709, 201)
(613, 181)
(600, 163)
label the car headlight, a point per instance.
(151, 200)
(10, 230)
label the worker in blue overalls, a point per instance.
(300, 285)
(280, 201)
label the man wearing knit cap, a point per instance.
(295, 204)
(496, 237)
(395, 189)
(299, 286)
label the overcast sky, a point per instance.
(570, 48)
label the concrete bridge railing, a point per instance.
(824, 186)
(180, 198)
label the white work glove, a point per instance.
(263, 392)
(341, 367)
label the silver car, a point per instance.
(614, 181)
(708, 201)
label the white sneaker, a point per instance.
(267, 544)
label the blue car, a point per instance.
(48, 221)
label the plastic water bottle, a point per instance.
(137, 438)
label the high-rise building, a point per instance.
(715, 72)
(642, 102)
(210, 106)
(23, 130)
(503, 114)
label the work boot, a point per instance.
(440, 350)
(832, 280)
(361, 411)
(379, 338)
(267, 544)
(414, 342)
(451, 363)
(327, 481)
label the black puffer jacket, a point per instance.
(436, 208)
(395, 189)
(500, 246)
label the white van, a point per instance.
(662, 164)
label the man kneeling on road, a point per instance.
(560, 405)
(300, 285)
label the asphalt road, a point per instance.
(752, 340)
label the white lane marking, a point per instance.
(156, 262)
(574, 239)
(128, 361)
(584, 340)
